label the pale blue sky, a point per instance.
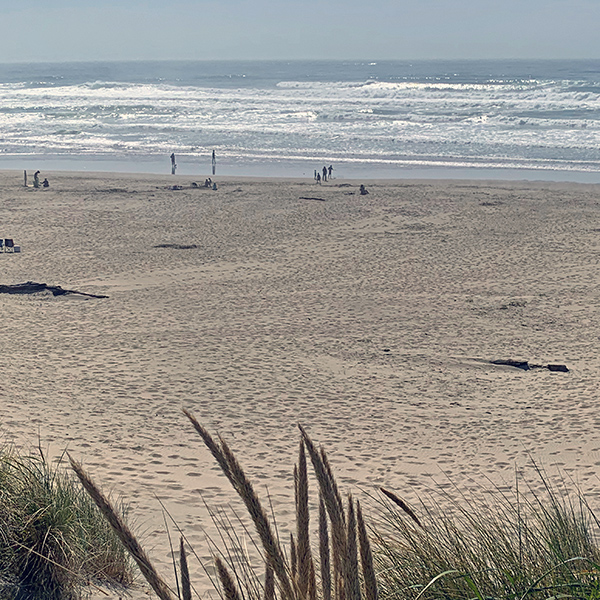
(64, 30)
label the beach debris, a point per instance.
(311, 198)
(177, 246)
(32, 287)
(527, 366)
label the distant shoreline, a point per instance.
(291, 169)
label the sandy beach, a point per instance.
(371, 320)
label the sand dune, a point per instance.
(368, 319)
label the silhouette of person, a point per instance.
(36, 179)
(330, 169)
(173, 165)
(324, 173)
(319, 178)
(363, 190)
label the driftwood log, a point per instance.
(526, 366)
(31, 287)
(177, 246)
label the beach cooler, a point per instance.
(17, 249)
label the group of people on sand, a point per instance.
(327, 171)
(36, 180)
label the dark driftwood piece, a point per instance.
(177, 246)
(31, 287)
(526, 366)
(311, 198)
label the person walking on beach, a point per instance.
(330, 169)
(36, 179)
(173, 165)
(324, 173)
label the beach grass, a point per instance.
(519, 544)
(53, 540)
(289, 573)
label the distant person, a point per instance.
(330, 169)
(324, 173)
(46, 183)
(36, 179)
(315, 174)
(319, 178)
(363, 190)
(173, 164)
(214, 186)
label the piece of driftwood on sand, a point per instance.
(32, 287)
(177, 246)
(527, 366)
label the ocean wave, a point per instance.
(535, 120)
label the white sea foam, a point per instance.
(532, 122)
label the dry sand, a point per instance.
(368, 319)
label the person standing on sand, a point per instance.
(173, 165)
(330, 169)
(324, 173)
(36, 179)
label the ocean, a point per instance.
(507, 119)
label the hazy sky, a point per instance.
(63, 30)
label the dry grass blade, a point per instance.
(402, 505)
(352, 576)
(329, 471)
(186, 590)
(210, 443)
(302, 524)
(332, 498)
(312, 583)
(293, 557)
(324, 551)
(269, 584)
(229, 590)
(261, 522)
(234, 472)
(333, 504)
(366, 557)
(127, 538)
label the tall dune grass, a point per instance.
(289, 573)
(512, 547)
(53, 539)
